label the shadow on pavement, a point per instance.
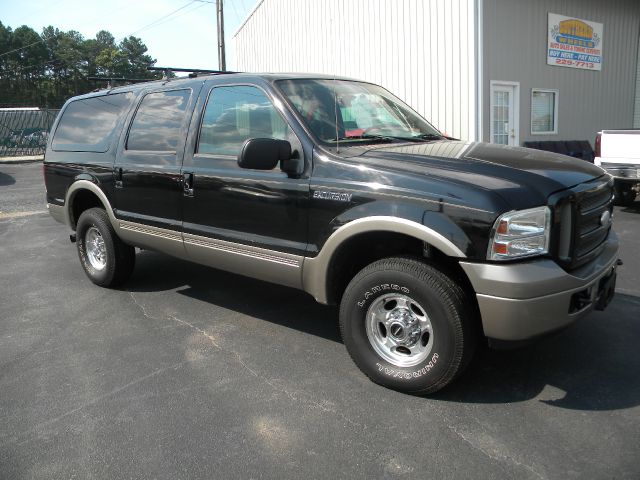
(6, 179)
(591, 365)
(281, 305)
(633, 208)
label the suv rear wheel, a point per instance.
(106, 260)
(407, 325)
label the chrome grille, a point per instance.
(592, 199)
(596, 199)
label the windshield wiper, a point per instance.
(384, 138)
(425, 137)
(429, 136)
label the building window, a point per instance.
(544, 111)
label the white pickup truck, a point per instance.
(618, 152)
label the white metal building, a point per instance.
(505, 71)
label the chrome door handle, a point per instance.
(187, 184)
(117, 173)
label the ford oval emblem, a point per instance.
(605, 218)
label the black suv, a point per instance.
(338, 188)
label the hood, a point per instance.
(523, 177)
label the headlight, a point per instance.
(518, 234)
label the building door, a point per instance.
(504, 113)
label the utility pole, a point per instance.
(222, 63)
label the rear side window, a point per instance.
(156, 125)
(87, 125)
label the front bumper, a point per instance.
(622, 172)
(520, 301)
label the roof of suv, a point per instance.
(235, 76)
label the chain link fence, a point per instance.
(24, 131)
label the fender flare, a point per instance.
(93, 188)
(315, 270)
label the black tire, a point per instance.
(448, 309)
(625, 196)
(119, 258)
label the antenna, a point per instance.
(335, 109)
(335, 95)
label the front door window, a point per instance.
(235, 114)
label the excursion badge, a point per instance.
(337, 196)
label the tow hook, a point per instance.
(619, 262)
(72, 238)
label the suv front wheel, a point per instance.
(407, 325)
(106, 260)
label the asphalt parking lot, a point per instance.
(188, 372)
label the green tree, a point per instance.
(5, 46)
(29, 54)
(47, 69)
(136, 58)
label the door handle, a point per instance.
(117, 173)
(187, 184)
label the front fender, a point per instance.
(315, 270)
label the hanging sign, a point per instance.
(574, 43)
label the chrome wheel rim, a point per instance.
(399, 330)
(95, 248)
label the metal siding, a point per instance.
(421, 50)
(514, 49)
(636, 116)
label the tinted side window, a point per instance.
(87, 125)
(234, 114)
(156, 125)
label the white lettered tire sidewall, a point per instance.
(445, 357)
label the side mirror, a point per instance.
(263, 153)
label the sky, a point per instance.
(178, 33)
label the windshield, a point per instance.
(364, 112)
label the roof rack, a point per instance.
(193, 72)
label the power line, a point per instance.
(41, 9)
(178, 16)
(40, 40)
(155, 23)
(235, 9)
(246, 10)
(35, 66)
(22, 48)
(162, 18)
